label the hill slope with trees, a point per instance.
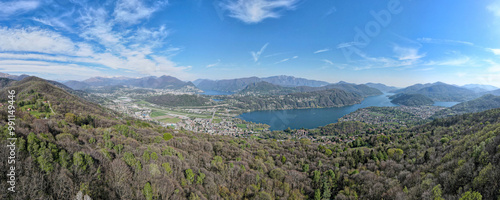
(95, 153)
(411, 100)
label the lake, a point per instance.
(314, 117)
(445, 104)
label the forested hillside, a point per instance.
(314, 99)
(81, 147)
(411, 100)
(477, 105)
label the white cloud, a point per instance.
(322, 50)
(382, 62)
(494, 8)
(331, 11)
(256, 55)
(494, 67)
(48, 46)
(328, 61)
(286, 59)
(404, 53)
(460, 61)
(254, 11)
(47, 68)
(132, 11)
(348, 44)
(17, 7)
(444, 41)
(213, 64)
(495, 51)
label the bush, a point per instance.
(167, 136)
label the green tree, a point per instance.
(64, 159)
(437, 193)
(82, 160)
(45, 160)
(471, 196)
(167, 167)
(200, 178)
(154, 156)
(328, 152)
(167, 136)
(326, 190)
(305, 167)
(317, 194)
(189, 175)
(148, 191)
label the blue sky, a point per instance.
(396, 42)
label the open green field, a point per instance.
(161, 112)
(34, 112)
(158, 113)
(170, 120)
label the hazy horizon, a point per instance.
(63, 81)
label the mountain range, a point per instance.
(266, 88)
(381, 87)
(235, 85)
(13, 77)
(440, 92)
(480, 88)
(162, 82)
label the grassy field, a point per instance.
(170, 120)
(158, 113)
(161, 112)
(34, 112)
(241, 126)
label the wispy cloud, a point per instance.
(444, 41)
(17, 7)
(424, 69)
(494, 66)
(132, 11)
(348, 44)
(254, 11)
(459, 61)
(330, 11)
(275, 54)
(33, 39)
(495, 51)
(405, 53)
(328, 61)
(286, 59)
(213, 64)
(256, 55)
(369, 62)
(322, 50)
(47, 68)
(494, 8)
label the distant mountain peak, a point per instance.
(162, 82)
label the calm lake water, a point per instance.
(314, 117)
(445, 104)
